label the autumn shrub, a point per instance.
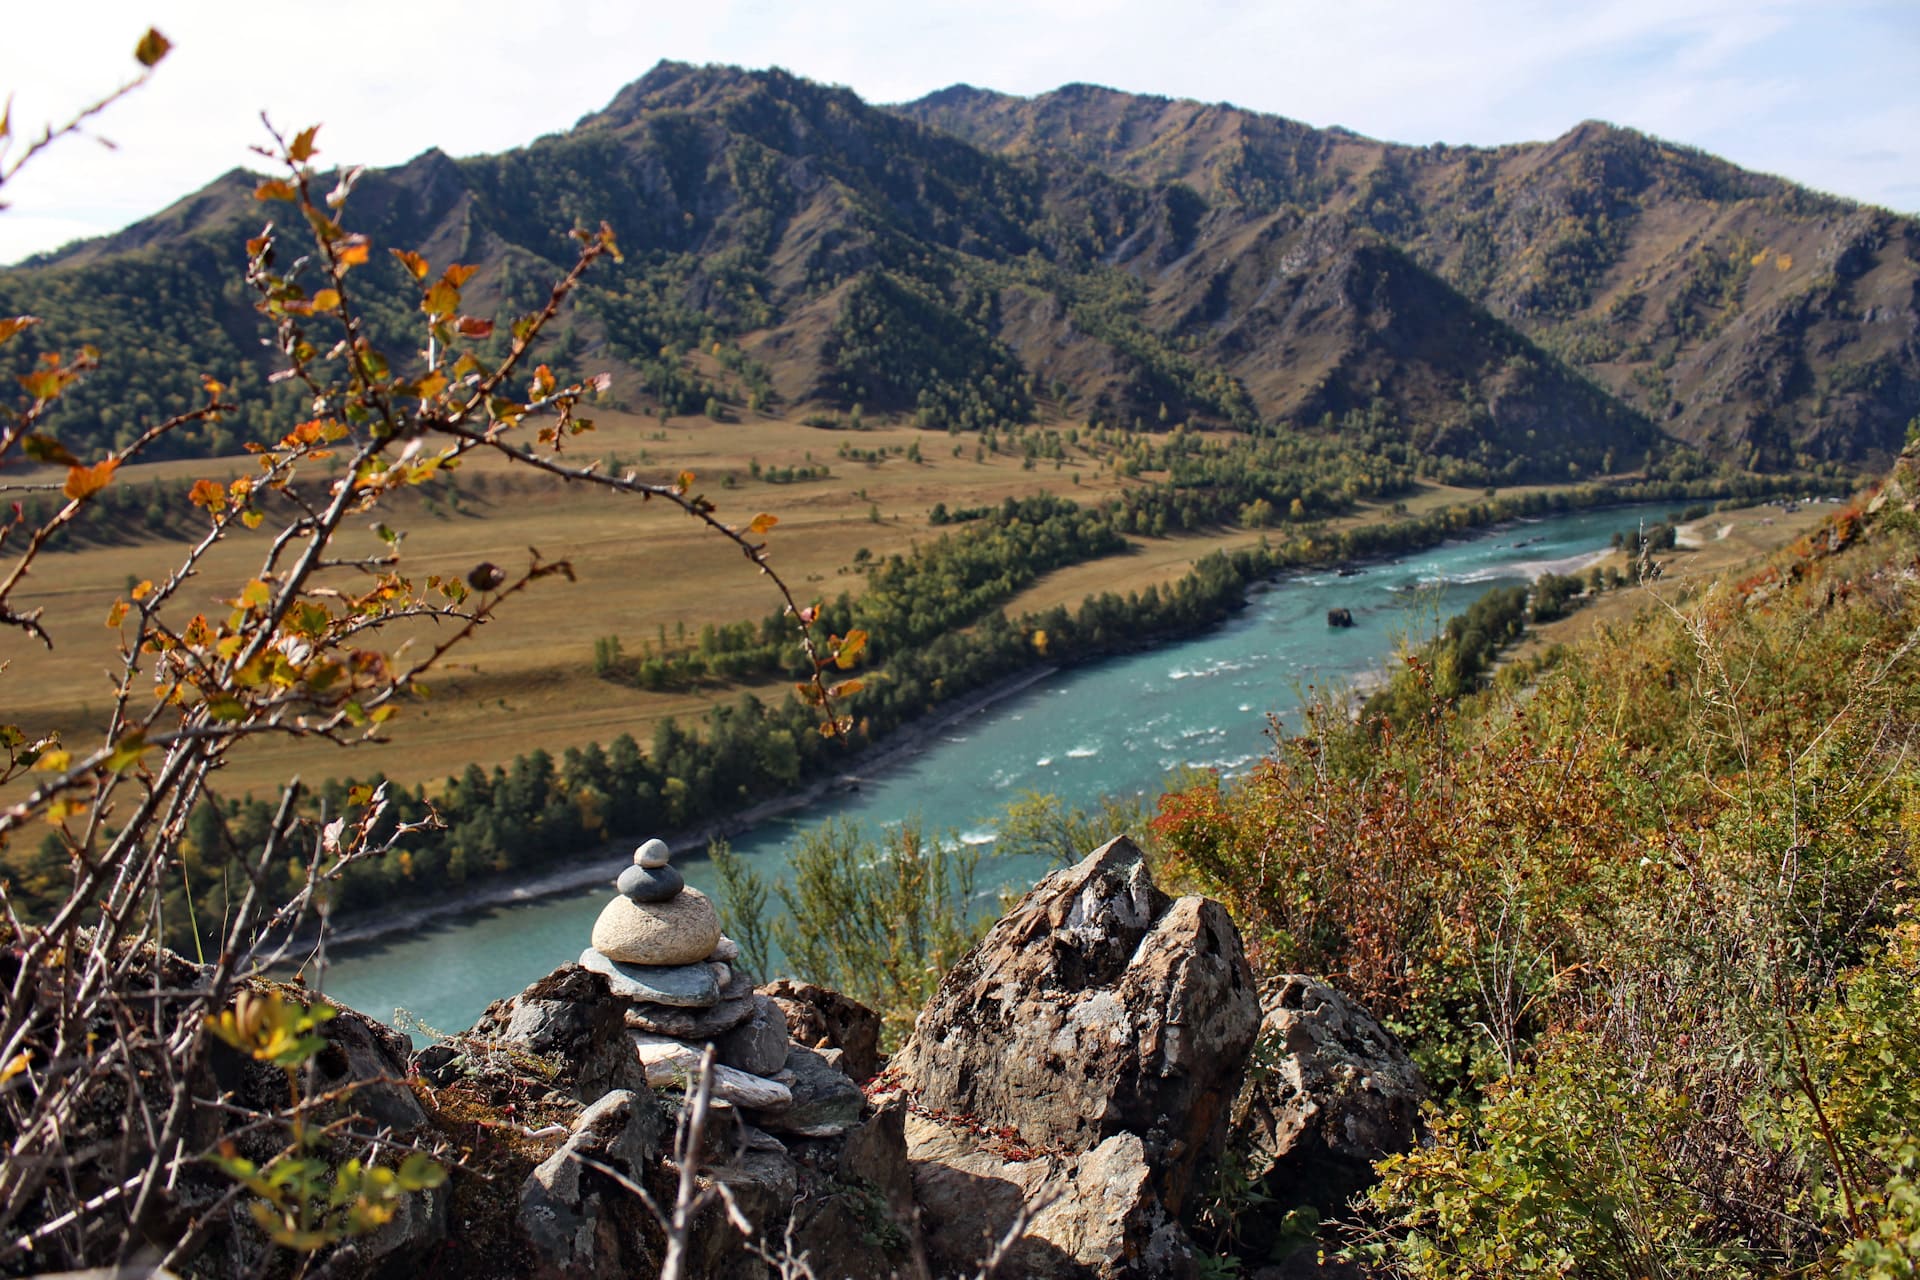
(1639, 925)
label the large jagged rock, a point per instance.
(568, 1017)
(1329, 1092)
(579, 1221)
(1088, 1047)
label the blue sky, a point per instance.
(1825, 92)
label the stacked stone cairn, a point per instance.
(658, 945)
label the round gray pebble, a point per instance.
(652, 855)
(648, 884)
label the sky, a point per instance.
(1824, 92)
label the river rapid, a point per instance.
(1114, 727)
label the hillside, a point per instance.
(972, 260)
(1753, 318)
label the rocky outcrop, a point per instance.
(1327, 1093)
(1085, 1051)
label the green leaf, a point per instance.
(46, 449)
(419, 1172)
(226, 708)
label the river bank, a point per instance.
(574, 871)
(590, 868)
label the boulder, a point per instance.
(567, 1205)
(823, 1019)
(690, 1024)
(672, 1063)
(1098, 1007)
(568, 1017)
(762, 1181)
(1339, 617)
(1329, 1092)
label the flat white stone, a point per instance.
(673, 1062)
(687, 986)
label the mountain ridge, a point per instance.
(973, 259)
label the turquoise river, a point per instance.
(1113, 727)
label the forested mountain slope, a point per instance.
(1750, 316)
(973, 260)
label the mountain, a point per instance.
(974, 259)
(1753, 318)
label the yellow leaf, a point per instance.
(143, 590)
(116, 614)
(54, 761)
(415, 264)
(302, 149)
(850, 649)
(275, 189)
(127, 752)
(354, 251)
(762, 523)
(152, 47)
(327, 300)
(208, 494)
(441, 301)
(15, 1065)
(84, 482)
(458, 274)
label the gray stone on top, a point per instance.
(648, 884)
(687, 986)
(653, 854)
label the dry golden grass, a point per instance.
(643, 570)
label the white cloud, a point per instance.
(1792, 86)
